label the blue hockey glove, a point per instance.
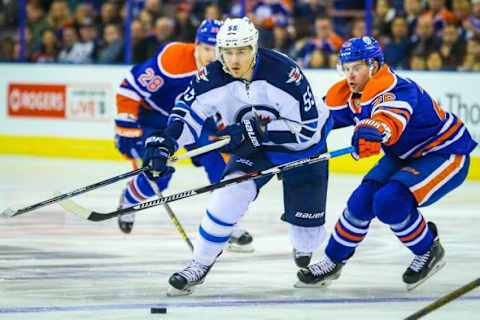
(245, 138)
(158, 149)
(368, 137)
(128, 136)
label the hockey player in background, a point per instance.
(426, 156)
(272, 118)
(144, 102)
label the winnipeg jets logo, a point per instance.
(294, 76)
(202, 75)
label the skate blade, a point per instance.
(174, 292)
(247, 248)
(435, 269)
(320, 284)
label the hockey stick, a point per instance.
(9, 212)
(100, 216)
(169, 210)
(444, 300)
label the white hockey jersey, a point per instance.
(278, 95)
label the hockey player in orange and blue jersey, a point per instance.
(144, 102)
(426, 156)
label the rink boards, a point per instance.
(67, 111)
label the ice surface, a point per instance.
(54, 265)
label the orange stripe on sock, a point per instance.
(348, 235)
(416, 233)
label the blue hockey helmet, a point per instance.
(207, 31)
(364, 48)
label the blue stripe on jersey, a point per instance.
(307, 133)
(194, 115)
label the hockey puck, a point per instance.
(158, 310)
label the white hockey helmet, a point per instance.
(237, 32)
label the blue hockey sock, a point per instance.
(346, 236)
(414, 233)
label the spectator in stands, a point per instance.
(472, 58)
(109, 14)
(213, 11)
(282, 41)
(413, 9)
(83, 11)
(154, 7)
(396, 49)
(146, 18)
(453, 48)
(333, 61)
(268, 13)
(185, 29)
(163, 32)
(37, 22)
(434, 61)
(317, 59)
(59, 16)
(417, 62)
(48, 49)
(384, 14)
(425, 41)
(325, 40)
(69, 39)
(137, 32)
(7, 46)
(301, 34)
(113, 50)
(309, 9)
(472, 25)
(440, 14)
(461, 10)
(359, 28)
(86, 50)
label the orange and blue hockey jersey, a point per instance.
(419, 126)
(156, 83)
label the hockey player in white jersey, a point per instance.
(270, 114)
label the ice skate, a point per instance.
(302, 259)
(426, 265)
(240, 241)
(182, 283)
(320, 274)
(125, 222)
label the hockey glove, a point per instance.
(368, 137)
(158, 149)
(245, 138)
(128, 135)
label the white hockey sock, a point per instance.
(225, 208)
(306, 239)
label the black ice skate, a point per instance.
(240, 241)
(182, 282)
(425, 265)
(320, 274)
(302, 259)
(125, 222)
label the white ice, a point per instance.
(54, 265)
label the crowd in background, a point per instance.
(415, 34)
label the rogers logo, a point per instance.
(34, 100)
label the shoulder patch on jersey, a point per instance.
(177, 60)
(382, 81)
(294, 76)
(338, 94)
(202, 75)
